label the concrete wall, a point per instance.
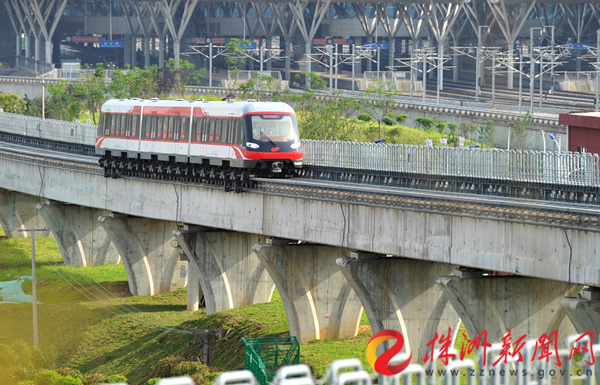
(487, 243)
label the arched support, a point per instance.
(229, 271)
(18, 212)
(319, 302)
(584, 311)
(80, 237)
(149, 253)
(495, 303)
(402, 294)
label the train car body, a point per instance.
(258, 136)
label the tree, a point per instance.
(183, 73)
(66, 100)
(384, 100)
(322, 119)
(138, 83)
(11, 103)
(94, 89)
(468, 129)
(235, 57)
(312, 80)
(257, 83)
(486, 132)
(520, 132)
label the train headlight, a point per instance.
(251, 145)
(295, 146)
(298, 163)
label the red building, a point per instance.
(584, 131)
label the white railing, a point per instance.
(564, 168)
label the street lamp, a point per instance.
(544, 139)
(554, 139)
(477, 64)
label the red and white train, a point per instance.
(201, 139)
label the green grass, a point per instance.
(98, 327)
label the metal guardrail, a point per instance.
(48, 129)
(565, 168)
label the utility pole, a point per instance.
(33, 284)
(597, 68)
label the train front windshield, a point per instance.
(278, 128)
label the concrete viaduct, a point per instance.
(416, 263)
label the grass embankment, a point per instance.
(96, 326)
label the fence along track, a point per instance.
(570, 177)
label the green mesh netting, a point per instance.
(12, 291)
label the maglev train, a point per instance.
(198, 139)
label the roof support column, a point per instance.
(390, 27)
(579, 17)
(287, 25)
(308, 28)
(441, 19)
(154, 13)
(511, 17)
(368, 24)
(47, 12)
(169, 8)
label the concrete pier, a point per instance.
(402, 294)
(18, 211)
(229, 271)
(148, 250)
(584, 311)
(81, 238)
(496, 303)
(319, 301)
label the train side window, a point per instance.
(124, 121)
(220, 129)
(113, 125)
(147, 126)
(107, 120)
(239, 131)
(204, 123)
(101, 125)
(153, 127)
(135, 123)
(196, 129)
(211, 129)
(184, 128)
(160, 125)
(169, 127)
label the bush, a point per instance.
(425, 123)
(20, 361)
(187, 368)
(47, 377)
(65, 380)
(401, 118)
(70, 372)
(468, 128)
(365, 117)
(114, 378)
(93, 379)
(440, 127)
(26, 383)
(165, 367)
(153, 381)
(387, 121)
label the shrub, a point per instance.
(20, 361)
(486, 132)
(66, 380)
(394, 131)
(401, 118)
(187, 368)
(153, 381)
(387, 121)
(26, 383)
(93, 379)
(46, 377)
(114, 378)
(70, 372)
(425, 123)
(165, 367)
(365, 117)
(468, 128)
(440, 127)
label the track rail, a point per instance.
(562, 215)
